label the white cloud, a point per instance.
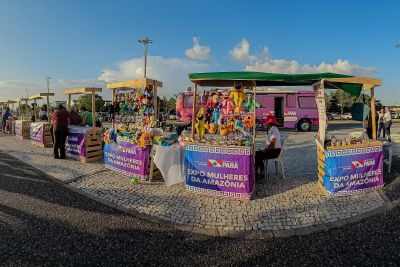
(198, 52)
(265, 63)
(173, 72)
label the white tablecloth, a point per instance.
(170, 161)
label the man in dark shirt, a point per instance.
(5, 117)
(60, 131)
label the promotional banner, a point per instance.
(126, 158)
(220, 171)
(75, 144)
(351, 171)
(18, 128)
(36, 132)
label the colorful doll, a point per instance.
(227, 105)
(237, 94)
(223, 130)
(148, 92)
(212, 128)
(249, 121)
(249, 106)
(216, 115)
(231, 124)
(145, 140)
(200, 124)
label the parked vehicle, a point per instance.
(395, 115)
(292, 108)
(347, 116)
(329, 116)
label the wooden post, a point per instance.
(69, 102)
(373, 113)
(93, 109)
(19, 109)
(113, 103)
(34, 109)
(194, 108)
(254, 111)
(155, 100)
(48, 109)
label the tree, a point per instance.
(86, 101)
(343, 100)
(171, 104)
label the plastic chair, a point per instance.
(277, 160)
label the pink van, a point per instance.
(293, 109)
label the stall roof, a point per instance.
(11, 101)
(134, 84)
(350, 84)
(40, 96)
(82, 90)
(21, 99)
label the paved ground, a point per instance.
(44, 223)
(281, 207)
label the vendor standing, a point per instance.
(60, 131)
(273, 143)
(87, 118)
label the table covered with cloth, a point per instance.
(170, 161)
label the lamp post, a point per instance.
(48, 84)
(145, 42)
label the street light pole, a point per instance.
(145, 42)
(48, 83)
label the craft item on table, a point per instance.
(227, 104)
(121, 128)
(200, 124)
(158, 140)
(209, 114)
(110, 136)
(215, 97)
(238, 123)
(248, 120)
(223, 130)
(145, 140)
(183, 139)
(212, 128)
(237, 94)
(231, 124)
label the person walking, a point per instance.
(381, 124)
(60, 131)
(387, 120)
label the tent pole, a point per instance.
(69, 102)
(254, 111)
(113, 103)
(93, 110)
(194, 108)
(48, 108)
(373, 113)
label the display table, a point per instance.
(220, 170)
(40, 134)
(127, 159)
(170, 162)
(350, 169)
(22, 129)
(84, 142)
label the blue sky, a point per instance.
(88, 43)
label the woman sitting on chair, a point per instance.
(273, 148)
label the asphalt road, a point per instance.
(43, 223)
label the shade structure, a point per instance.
(350, 84)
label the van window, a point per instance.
(290, 101)
(307, 102)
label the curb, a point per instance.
(242, 234)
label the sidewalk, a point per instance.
(295, 205)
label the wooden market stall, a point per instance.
(135, 111)
(84, 142)
(40, 131)
(22, 124)
(208, 164)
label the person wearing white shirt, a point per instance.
(273, 148)
(387, 120)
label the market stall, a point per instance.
(40, 131)
(84, 142)
(129, 142)
(219, 166)
(353, 164)
(22, 124)
(219, 159)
